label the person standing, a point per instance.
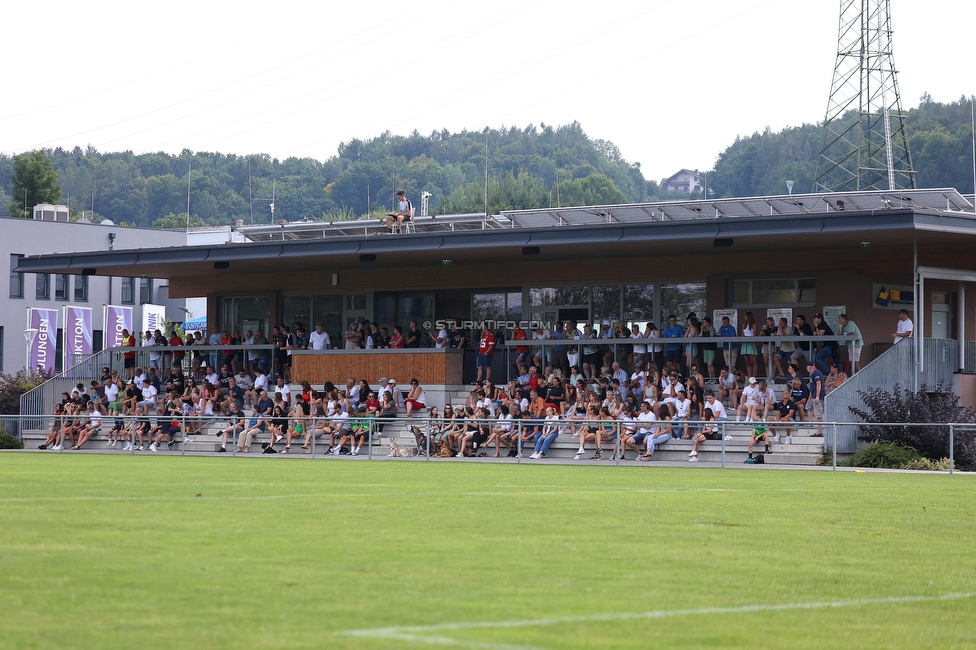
(486, 350)
(319, 339)
(905, 326)
(729, 350)
(847, 326)
(128, 358)
(818, 391)
(413, 336)
(828, 352)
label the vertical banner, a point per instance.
(77, 334)
(153, 318)
(43, 349)
(116, 319)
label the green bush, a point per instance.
(941, 465)
(887, 455)
(8, 441)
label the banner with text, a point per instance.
(43, 349)
(77, 334)
(116, 319)
(153, 318)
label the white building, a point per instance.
(27, 237)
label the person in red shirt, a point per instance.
(129, 358)
(518, 334)
(178, 355)
(486, 350)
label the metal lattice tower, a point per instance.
(864, 144)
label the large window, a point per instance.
(42, 289)
(81, 288)
(145, 291)
(62, 285)
(772, 292)
(681, 299)
(16, 278)
(128, 291)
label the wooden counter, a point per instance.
(430, 366)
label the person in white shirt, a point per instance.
(384, 389)
(749, 402)
(319, 339)
(905, 326)
(441, 339)
(670, 389)
(682, 410)
(352, 392)
(716, 407)
(148, 398)
(284, 390)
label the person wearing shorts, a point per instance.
(486, 351)
(760, 432)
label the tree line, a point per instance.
(530, 167)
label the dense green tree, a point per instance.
(33, 181)
(178, 222)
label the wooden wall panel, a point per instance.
(428, 366)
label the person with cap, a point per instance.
(383, 389)
(750, 400)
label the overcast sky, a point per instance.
(670, 82)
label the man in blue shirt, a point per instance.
(817, 393)
(730, 350)
(674, 331)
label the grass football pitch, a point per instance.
(101, 551)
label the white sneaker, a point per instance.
(277, 438)
(693, 459)
(459, 455)
(140, 448)
(789, 440)
(109, 443)
(693, 453)
(536, 456)
(335, 451)
(775, 438)
(728, 436)
(57, 448)
(152, 447)
(578, 456)
(354, 452)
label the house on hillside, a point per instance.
(686, 181)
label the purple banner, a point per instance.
(43, 349)
(77, 334)
(116, 319)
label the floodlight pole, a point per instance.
(29, 334)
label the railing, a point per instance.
(526, 435)
(895, 365)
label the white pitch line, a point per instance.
(423, 634)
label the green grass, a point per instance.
(145, 552)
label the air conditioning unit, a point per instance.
(48, 212)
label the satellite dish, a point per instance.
(107, 222)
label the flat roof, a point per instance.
(807, 231)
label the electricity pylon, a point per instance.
(864, 144)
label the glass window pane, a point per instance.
(740, 292)
(145, 290)
(356, 302)
(606, 303)
(16, 279)
(251, 313)
(42, 289)
(546, 296)
(328, 311)
(638, 303)
(61, 284)
(128, 291)
(765, 292)
(81, 288)
(296, 309)
(515, 306)
(488, 306)
(682, 299)
(808, 291)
